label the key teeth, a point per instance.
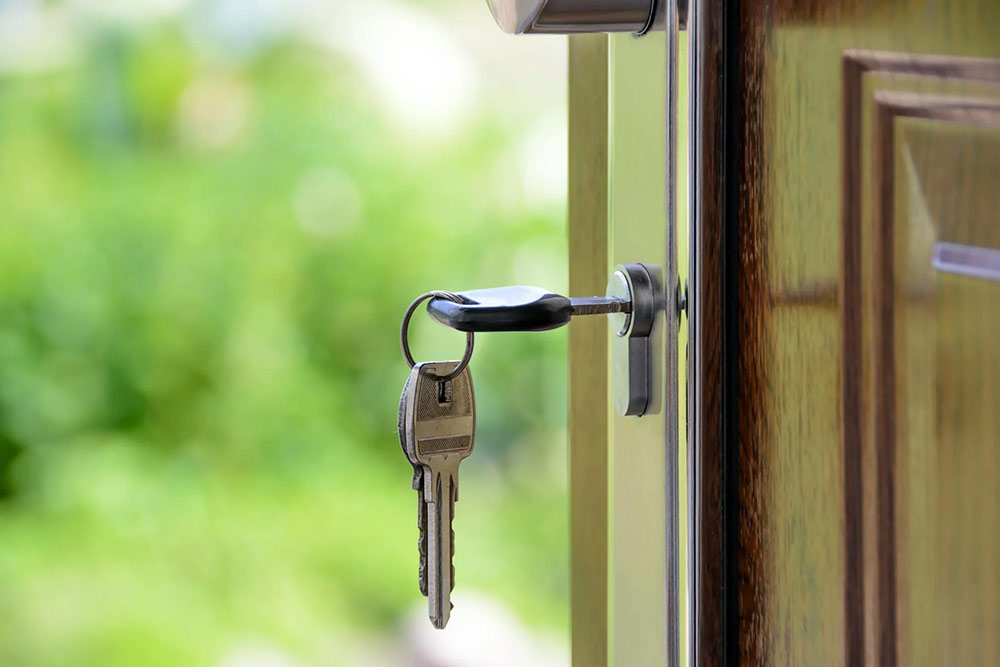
(421, 542)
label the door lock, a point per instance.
(632, 302)
(631, 352)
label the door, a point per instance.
(845, 318)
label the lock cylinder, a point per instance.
(632, 303)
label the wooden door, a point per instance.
(846, 331)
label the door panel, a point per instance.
(938, 368)
(846, 190)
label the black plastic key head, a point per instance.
(516, 308)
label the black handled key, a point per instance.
(518, 308)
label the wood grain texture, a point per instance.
(588, 350)
(875, 587)
(811, 507)
(711, 582)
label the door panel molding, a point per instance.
(868, 434)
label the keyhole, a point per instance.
(444, 391)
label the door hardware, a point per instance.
(631, 348)
(565, 17)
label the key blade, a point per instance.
(440, 514)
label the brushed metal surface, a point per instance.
(574, 16)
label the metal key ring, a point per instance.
(470, 337)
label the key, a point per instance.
(405, 402)
(440, 424)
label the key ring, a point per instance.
(470, 338)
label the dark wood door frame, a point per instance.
(716, 119)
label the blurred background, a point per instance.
(213, 214)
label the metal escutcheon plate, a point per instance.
(632, 358)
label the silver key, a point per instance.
(439, 431)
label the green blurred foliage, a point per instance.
(198, 393)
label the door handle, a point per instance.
(634, 298)
(564, 17)
(574, 16)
